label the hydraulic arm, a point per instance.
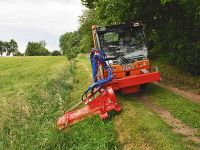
(98, 100)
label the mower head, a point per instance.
(101, 105)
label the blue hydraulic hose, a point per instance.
(97, 57)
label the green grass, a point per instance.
(186, 110)
(35, 91)
(140, 128)
(143, 128)
(177, 78)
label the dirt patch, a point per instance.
(188, 95)
(176, 124)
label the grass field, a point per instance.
(34, 91)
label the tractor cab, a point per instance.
(125, 48)
(123, 44)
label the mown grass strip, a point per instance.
(186, 110)
(140, 128)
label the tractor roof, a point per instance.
(123, 26)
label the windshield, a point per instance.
(126, 43)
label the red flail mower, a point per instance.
(119, 63)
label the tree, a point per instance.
(2, 47)
(174, 25)
(85, 31)
(8, 47)
(56, 53)
(88, 3)
(69, 44)
(12, 47)
(43, 43)
(18, 54)
(36, 49)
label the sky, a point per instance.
(36, 20)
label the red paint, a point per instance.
(134, 80)
(106, 101)
(101, 105)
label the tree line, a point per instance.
(32, 49)
(171, 26)
(39, 49)
(8, 47)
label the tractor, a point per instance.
(119, 62)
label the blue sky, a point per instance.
(35, 20)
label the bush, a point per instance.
(18, 54)
(56, 53)
(189, 59)
(37, 49)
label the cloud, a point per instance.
(34, 20)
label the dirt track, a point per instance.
(176, 124)
(127, 120)
(188, 95)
